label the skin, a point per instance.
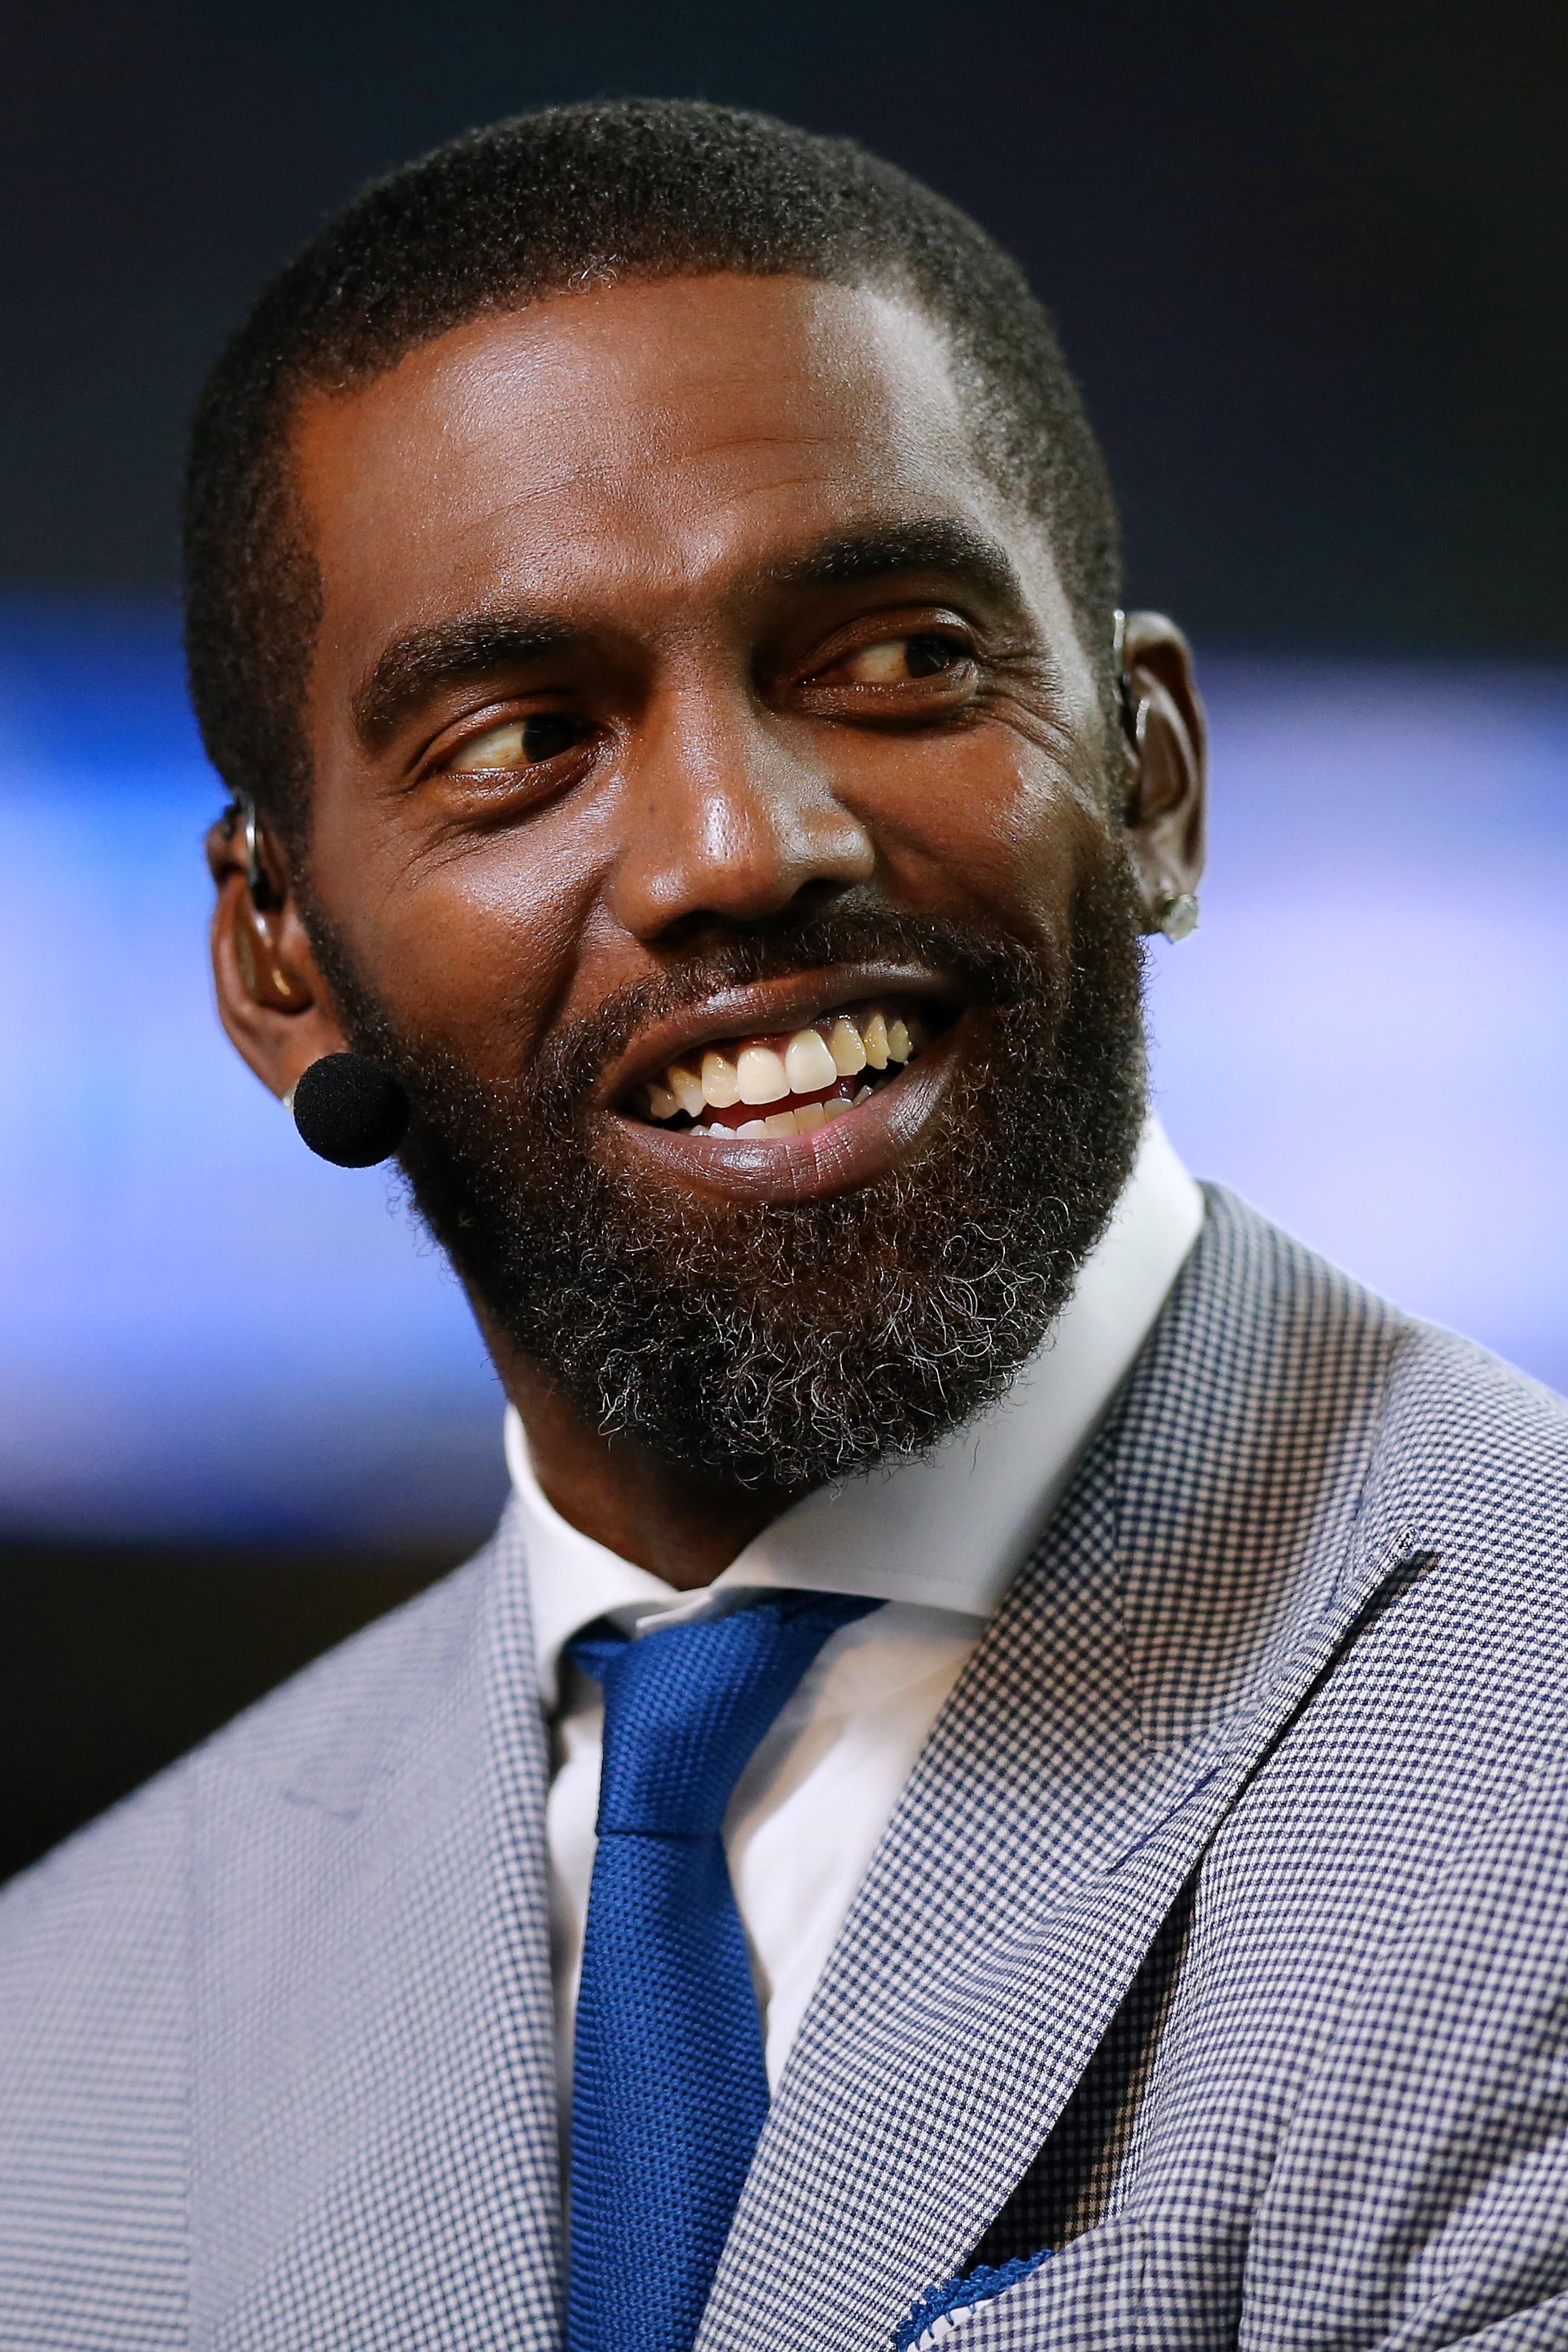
(636, 487)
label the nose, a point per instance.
(727, 819)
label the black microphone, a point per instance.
(350, 1110)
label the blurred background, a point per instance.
(1309, 264)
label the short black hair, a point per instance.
(573, 196)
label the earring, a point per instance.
(349, 1109)
(1175, 913)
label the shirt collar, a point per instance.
(949, 1531)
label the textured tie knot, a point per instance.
(685, 1708)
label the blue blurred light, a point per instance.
(206, 1334)
(1368, 1037)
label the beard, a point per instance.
(782, 1348)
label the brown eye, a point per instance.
(897, 661)
(519, 743)
(548, 735)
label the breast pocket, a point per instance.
(1088, 2298)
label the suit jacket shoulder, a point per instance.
(149, 1966)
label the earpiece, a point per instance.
(1132, 717)
(257, 881)
(1175, 909)
(350, 1110)
(348, 1107)
(268, 978)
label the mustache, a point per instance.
(989, 968)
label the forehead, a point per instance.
(642, 440)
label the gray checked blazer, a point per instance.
(1219, 1939)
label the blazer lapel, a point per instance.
(376, 2158)
(1195, 1582)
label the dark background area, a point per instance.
(116, 1660)
(1307, 260)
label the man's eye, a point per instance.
(898, 660)
(519, 743)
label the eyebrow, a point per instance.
(474, 646)
(942, 544)
(449, 653)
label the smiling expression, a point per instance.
(720, 828)
(664, 614)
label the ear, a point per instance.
(1166, 761)
(271, 999)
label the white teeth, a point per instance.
(835, 1109)
(807, 1063)
(863, 1096)
(782, 1122)
(687, 1089)
(761, 1074)
(721, 1082)
(845, 1050)
(809, 1117)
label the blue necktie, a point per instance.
(669, 2086)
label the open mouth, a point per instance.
(776, 1086)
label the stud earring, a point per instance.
(1175, 913)
(349, 1109)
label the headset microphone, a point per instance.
(350, 1110)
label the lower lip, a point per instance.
(863, 1144)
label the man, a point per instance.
(1071, 1688)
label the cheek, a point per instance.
(986, 827)
(477, 949)
(494, 951)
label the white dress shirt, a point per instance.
(939, 1540)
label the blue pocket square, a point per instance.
(942, 2308)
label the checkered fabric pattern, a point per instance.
(1289, 1671)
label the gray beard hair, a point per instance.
(785, 1348)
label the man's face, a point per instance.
(712, 825)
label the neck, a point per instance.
(680, 1525)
